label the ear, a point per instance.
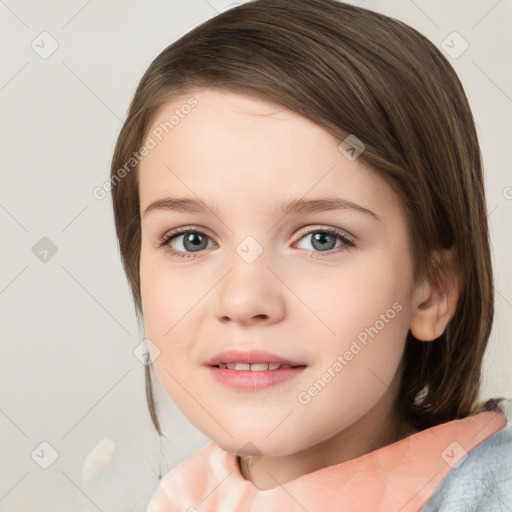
(434, 301)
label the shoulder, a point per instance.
(482, 480)
(185, 481)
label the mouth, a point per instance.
(255, 360)
(255, 367)
(253, 370)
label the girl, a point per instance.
(299, 203)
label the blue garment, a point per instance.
(482, 481)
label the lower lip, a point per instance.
(252, 381)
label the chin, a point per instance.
(255, 445)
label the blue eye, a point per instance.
(322, 239)
(194, 241)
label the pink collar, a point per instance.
(401, 476)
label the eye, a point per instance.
(194, 240)
(323, 240)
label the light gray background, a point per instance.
(68, 373)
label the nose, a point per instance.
(250, 293)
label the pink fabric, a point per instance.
(401, 476)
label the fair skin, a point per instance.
(295, 299)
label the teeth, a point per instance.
(239, 366)
(256, 367)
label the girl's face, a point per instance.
(252, 274)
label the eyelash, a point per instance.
(168, 237)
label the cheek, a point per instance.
(155, 298)
(358, 366)
(163, 292)
(172, 302)
(168, 311)
(370, 295)
(368, 316)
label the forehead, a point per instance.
(250, 151)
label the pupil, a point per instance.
(321, 237)
(191, 237)
(193, 240)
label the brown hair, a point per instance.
(351, 71)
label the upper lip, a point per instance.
(249, 356)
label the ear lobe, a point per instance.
(434, 305)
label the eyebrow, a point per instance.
(189, 204)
